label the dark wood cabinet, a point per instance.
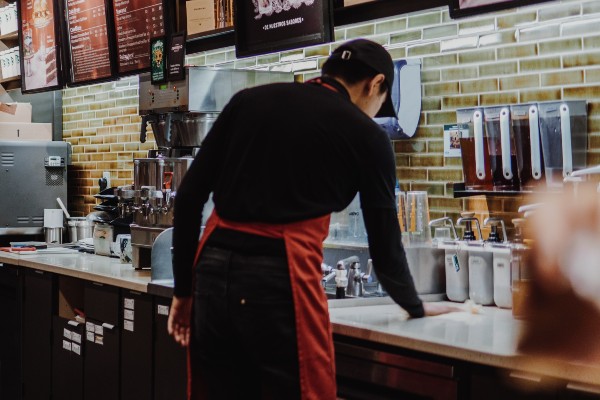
(39, 305)
(101, 371)
(136, 346)
(68, 344)
(368, 371)
(170, 362)
(10, 333)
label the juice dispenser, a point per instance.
(501, 148)
(477, 173)
(526, 131)
(563, 129)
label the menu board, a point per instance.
(88, 40)
(264, 26)
(38, 45)
(136, 22)
(463, 8)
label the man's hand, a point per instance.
(179, 319)
(432, 309)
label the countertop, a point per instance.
(488, 337)
(91, 267)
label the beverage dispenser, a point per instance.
(181, 114)
(526, 131)
(477, 173)
(501, 148)
(563, 129)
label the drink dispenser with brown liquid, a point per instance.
(501, 147)
(477, 174)
(526, 131)
(563, 129)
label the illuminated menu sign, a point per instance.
(264, 26)
(136, 22)
(38, 46)
(88, 38)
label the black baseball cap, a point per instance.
(377, 58)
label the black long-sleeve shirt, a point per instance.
(288, 152)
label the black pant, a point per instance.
(243, 333)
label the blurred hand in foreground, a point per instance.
(563, 303)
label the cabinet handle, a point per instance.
(1, 264)
(580, 387)
(37, 271)
(525, 376)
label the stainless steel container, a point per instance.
(53, 235)
(85, 229)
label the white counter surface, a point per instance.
(85, 266)
(488, 338)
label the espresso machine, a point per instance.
(180, 115)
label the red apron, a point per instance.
(304, 248)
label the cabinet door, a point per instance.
(136, 346)
(102, 303)
(10, 377)
(67, 360)
(391, 374)
(170, 362)
(101, 361)
(39, 304)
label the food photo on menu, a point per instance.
(478, 3)
(268, 7)
(39, 46)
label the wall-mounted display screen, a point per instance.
(463, 8)
(264, 26)
(89, 45)
(39, 46)
(136, 22)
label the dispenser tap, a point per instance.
(468, 218)
(493, 222)
(438, 221)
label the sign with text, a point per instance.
(38, 45)
(136, 22)
(176, 61)
(158, 60)
(87, 30)
(264, 26)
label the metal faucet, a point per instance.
(347, 264)
(468, 218)
(328, 274)
(355, 283)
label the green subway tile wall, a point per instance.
(536, 53)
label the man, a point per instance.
(279, 159)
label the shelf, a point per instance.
(460, 192)
(11, 79)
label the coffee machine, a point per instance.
(180, 115)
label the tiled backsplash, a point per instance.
(545, 52)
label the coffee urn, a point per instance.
(180, 115)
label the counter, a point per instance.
(85, 266)
(487, 338)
